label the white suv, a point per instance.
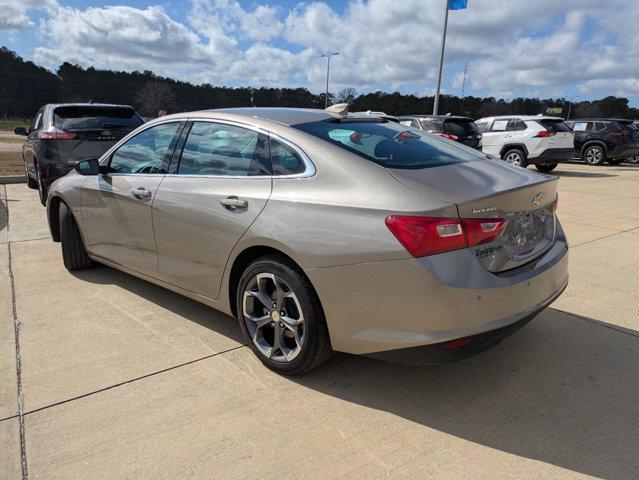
(522, 139)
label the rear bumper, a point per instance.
(439, 353)
(382, 306)
(554, 155)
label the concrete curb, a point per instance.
(12, 179)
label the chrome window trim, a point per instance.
(309, 169)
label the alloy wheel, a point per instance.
(594, 155)
(513, 158)
(273, 317)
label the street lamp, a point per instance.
(328, 71)
(570, 105)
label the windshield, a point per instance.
(460, 128)
(86, 118)
(392, 145)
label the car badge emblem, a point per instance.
(105, 133)
(538, 198)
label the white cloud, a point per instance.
(14, 14)
(543, 47)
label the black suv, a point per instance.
(459, 129)
(598, 140)
(63, 134)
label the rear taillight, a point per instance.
(423, 236)
(449, 136)
(53, 133)
(619, 133)
(546, 133)
(478, 137)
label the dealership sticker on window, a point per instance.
(500, 125)
(580, 127)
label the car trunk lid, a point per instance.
(493, 189)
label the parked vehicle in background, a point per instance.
(321, 231)
(521, 140)
(599, 140)
(459, 129)
(634, 160)
(63, 134)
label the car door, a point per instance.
(30, 143)
(582, 133)
(116, 206)
(495, 136)
(221, 185)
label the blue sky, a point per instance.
(513, 48)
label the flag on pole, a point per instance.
(457, 4)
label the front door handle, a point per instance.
(233, 202)
(141, 193)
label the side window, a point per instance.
(431, 126)
(285, 159)
(37, 122)
(515, 125)
(408, 123)
(145, 152)
(222, 150)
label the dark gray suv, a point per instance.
(63, 134)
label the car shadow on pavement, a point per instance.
(562, 390)
(566, 173)
(178, 304)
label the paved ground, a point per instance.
(122, 379)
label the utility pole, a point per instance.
(328, 72)
(441, 61)
(464, 81)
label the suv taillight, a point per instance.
(423, 236)
(53, 133)
(449, 136)
(546, 133)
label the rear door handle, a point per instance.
(141, 193)
(233, 202)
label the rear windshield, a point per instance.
(555, 126)
(86, 118)
(392, 145)
(460, 127)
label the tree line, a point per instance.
(25, 87)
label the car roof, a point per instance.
(523, 117)
(438, 117)
(282, 115)
(601, 120)
(56, 105)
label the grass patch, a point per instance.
(9, 125)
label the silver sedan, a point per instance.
(321, 231)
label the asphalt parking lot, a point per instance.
(123, 379)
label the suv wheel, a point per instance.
(31, 183)
(594, 155)
(517, 157)
(281, 317)
(545, 167)
(73, 252)
(42, 189)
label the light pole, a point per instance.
(328, 72)
(441, 60)
(570, 105)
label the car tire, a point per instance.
(42, 189)
(545, 167)
(594, 155)
(515, 156)
(293, 338)
(74, 254)
(615, 161)
(31, 183)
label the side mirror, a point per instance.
(20, 131)
(88, 167)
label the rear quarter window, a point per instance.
(391, 145)
(88, 117)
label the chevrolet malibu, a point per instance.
(321, 231)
